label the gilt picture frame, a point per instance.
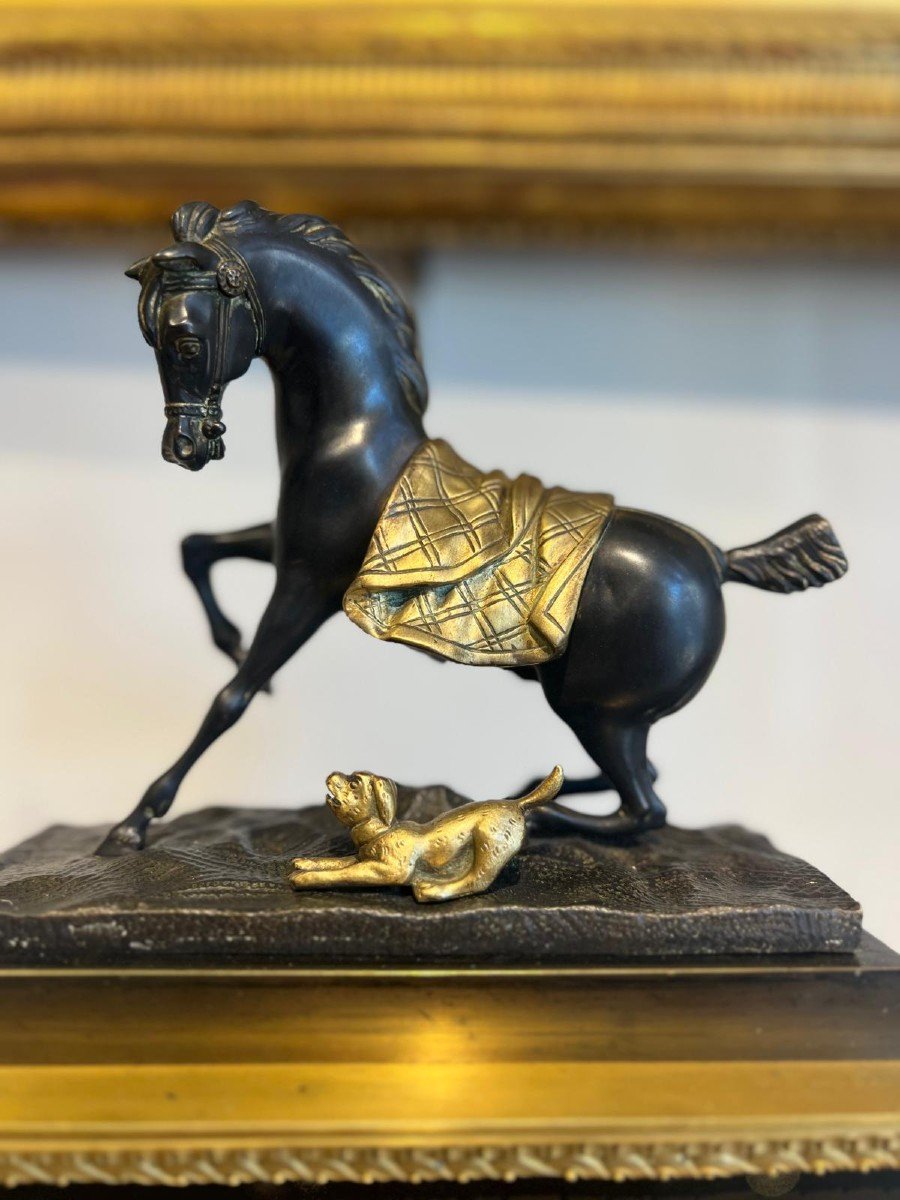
(431, 120)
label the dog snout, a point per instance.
(337, 784)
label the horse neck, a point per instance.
(332, 360)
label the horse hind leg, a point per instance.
(591, 785)
(620, 751)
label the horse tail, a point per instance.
(805, 554)
(547, 790)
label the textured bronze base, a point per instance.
(213, 887)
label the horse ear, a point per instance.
(136, 270)
(385, 799)
(186, 254)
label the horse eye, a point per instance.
(188, 347)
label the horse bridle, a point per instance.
(231, 283)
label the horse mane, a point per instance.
(197, 221)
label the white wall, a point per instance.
(735, 396)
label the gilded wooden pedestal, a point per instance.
(619, 1072)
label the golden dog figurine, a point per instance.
(459, 853)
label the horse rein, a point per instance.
(231, 282)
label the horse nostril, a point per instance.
(184, 447)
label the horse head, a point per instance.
(200, 311)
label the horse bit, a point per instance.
(232, 280)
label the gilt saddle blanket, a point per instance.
(477, 568)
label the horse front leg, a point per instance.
(200, 552)
(295, 611)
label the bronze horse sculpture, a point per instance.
(350, 397)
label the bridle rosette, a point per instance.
(232, 278)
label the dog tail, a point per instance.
(547, 790)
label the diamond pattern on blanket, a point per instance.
(476, 567)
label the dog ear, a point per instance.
(385, 799)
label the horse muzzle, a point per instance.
(192, 442)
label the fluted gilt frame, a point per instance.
(422, 120)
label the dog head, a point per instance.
(360, 797)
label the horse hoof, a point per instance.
(655, 819)
(121, 840)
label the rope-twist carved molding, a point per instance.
(369, 1164)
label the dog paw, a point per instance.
(300, 879)
(427, 893)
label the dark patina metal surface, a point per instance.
(213, 886)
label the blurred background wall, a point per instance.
(734, 393)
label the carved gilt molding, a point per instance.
(756, 120)
(232, 1165)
